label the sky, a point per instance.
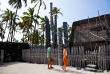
(73, 10)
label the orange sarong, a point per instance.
(65, 59)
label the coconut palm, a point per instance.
(40, 2)
(25, 30)
(1, 30)
(12, 29)
(5, 18)
(36, 37)
(28, 19)
(22, 27)
(8, 18)
(55, 11)
(43, 23)
(17, 4)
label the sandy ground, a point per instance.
(30, 68)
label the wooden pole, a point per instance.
(89, 31)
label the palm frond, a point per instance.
(25, 2)
(33, 1)
(25, 13)
(44, 5)
(61, 13)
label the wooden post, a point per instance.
(52, 25)
(55, 33)
(47, 32)
(2, 56)
(60, 47)
(65, 26)
(23, 55)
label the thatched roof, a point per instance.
(85, 21)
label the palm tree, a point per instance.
(40, 2)
(10, 26)
(1, 30)
(25, 30)
(55, 11)
(22, 27)
(36, 37)
(43, 23)
(7, 17)
(28, 19)
(17, 4)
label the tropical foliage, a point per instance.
(56, 11)
(43, 24)
(8, 18)
(1, 31)
(27, 23)
(16, 4)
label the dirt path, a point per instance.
(29, 68)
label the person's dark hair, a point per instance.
(49, 45)
(65, 46)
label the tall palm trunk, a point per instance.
(12, 37)
(10, 30)
(23, 37)
(35, 26)
(23, 33)
(34, 34)
(4, 31)
(2, 36)
(9, 34)
(6, 26)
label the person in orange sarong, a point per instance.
(65, 58)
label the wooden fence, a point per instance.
(78, 57)
(39, 56)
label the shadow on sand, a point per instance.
(68, 71)
(8, 64)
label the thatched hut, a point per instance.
(91, 31)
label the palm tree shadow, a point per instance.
(68, 71)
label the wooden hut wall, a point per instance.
(85, 29)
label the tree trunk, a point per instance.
(12, 37)
(4, 30)
(9, 34)
(23, 37)
(23, 33)
(34, 34)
